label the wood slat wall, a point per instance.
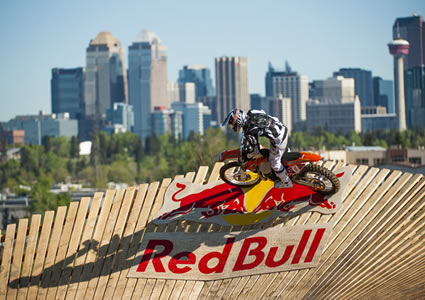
(84, 251)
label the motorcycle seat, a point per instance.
(287, 156)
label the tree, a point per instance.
(355, 139)
(138, 153)
(94, 152)
(3, 145)
(74, 147)
(44, 200)
(47, 143)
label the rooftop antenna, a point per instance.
(398, 31)
(288, 68)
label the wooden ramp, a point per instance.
(376, 249)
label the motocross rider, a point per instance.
(257, 123)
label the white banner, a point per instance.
(216, 255)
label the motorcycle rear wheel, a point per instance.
(325, 182)
(232, 174)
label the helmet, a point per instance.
(235, 118)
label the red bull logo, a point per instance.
(225, 204)
(196, 256)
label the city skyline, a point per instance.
(315, 38)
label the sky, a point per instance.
(315, 37)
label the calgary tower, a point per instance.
(399, 48)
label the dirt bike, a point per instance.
(299, 166)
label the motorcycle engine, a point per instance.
(265, 168)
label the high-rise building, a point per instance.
(398, 49)
(196, 117)
(289, 84)
(211, 103)
(363, 84)
(231, 85)
(181, 92)
(122, 114)
(415, 97)
(67, 92)
(165, 120)
(411, 29)
(147, 79)
(105, 77)
(199, 75)
(383, 93)
(337, 89)
(334, 116)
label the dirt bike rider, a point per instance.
(257, 123)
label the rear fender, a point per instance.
(304, 158)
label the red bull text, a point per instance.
(197, 256)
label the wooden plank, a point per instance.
(51, 251)
(252, 287)
(405, 270)
(119, 271)
(6, 259)
(29, 256)
(84, 245)
(272, 286)
(353, 190)
(383, 223)
(276, 281)
(40, 254)
(182, 288)
(394, 244)
(150, 284)
(413, 273)
(94, 246)
(184, 226)
(73, 247)
(347, 222)
(17, 259)
(172, 227)
(130, 283)
(201, 288)
(104, 244)
(378, 275)
(364, 217)
(206, 286)
(113, 247)
(63, 247)
(163, 288)
(376, 217)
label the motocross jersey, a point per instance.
(257, 124)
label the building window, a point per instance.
(397, 158)
(378, 161)
(362, 161)
(415, 160)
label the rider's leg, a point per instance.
(275, 158)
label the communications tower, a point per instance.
(399, 48)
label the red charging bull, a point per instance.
(226, 204)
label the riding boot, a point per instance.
(284, 180)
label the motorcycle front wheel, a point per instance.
(233, 174)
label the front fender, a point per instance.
(228, 154)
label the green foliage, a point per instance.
(44, 200)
